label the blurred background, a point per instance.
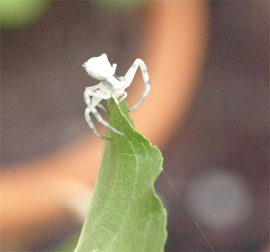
(208, 112)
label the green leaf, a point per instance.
(125, 214)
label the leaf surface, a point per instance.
(125, 214)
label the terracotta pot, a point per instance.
(174, 50)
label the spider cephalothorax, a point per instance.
(110, 86)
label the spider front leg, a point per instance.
(92, 99)
(87, 117)
(124, 96)
(116, 100)
(129, 76)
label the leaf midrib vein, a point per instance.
(129, 206)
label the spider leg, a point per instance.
(114, 66)
(102, 107)
(123, 97)
(97, 96)
(129, 76)
(103, 122)
(115, 99)
(91, 124)
(95, 91)
(95, 102)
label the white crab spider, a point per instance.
(110, 86)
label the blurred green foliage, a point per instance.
(19, 13)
